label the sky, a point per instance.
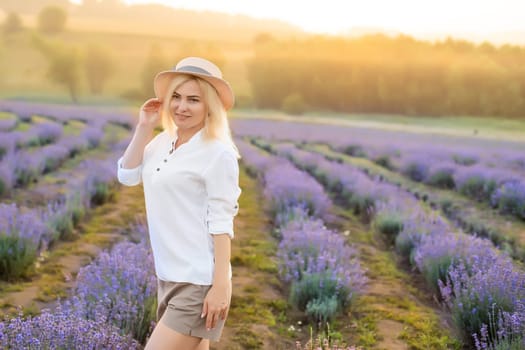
(418, 17)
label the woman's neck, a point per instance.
(184, 136)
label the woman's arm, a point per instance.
(217, 301)
(148, 119)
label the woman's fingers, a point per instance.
(211, 320)
(216, 314)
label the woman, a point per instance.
(190, 176)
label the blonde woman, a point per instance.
(190, 175)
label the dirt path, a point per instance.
(397, 311)
(57, 268)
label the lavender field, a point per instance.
(348, 237)
(404, 186)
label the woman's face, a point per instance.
(187, 107)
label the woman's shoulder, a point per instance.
(219, 147)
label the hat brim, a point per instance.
(163, 80)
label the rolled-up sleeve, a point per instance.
(222, 186)
(129, 177)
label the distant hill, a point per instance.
(496, 38)
(156, 19)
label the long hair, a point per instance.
(216, 125)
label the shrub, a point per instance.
(61, 330)
(16, 256)
(119, 287)
(354, 151)
(481, 294)
(416, 169)
(442, 177)
(438, 253)
(294, 104)
(22, 231)
(319, 295)
(389, 224)
(52, 19)
(384, 161)
(509, 198)
(465, 159)
(320, 266)
(13, 23)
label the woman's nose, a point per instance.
(181, 105)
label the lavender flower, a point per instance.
(437, 253)
(22, 231)
(286, 187)
(480, 296)
(509, 198)
(119, 287)
(61, 330)
(8, 121)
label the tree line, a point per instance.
(381, 74)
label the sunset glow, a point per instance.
(409, 16)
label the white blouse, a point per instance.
(191, 194)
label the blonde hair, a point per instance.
(216, 125)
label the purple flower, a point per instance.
(61, 330)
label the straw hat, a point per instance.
(201, 68)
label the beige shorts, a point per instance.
(180, 308)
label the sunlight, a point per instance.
(408, 16)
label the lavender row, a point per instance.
(20, 167)
(486, 305)
(395, 144)
(25, 232)
(499, 230)
(503, 189)
(488, 170)
(8, 121)
(324, 272)
(114, 301)
(94, 116)
(38, 134)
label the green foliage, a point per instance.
(155, 63)
(12, 23)
(435, 270)
(64, 65)
(477, 187)
(425, 78)
(384, 161)
(52, 19)
(322, 309)
(99, 65)
(442, 178)
(319, 296)
(294, 104)
(362, 206)
(389, 224)
(4, 188)
(16, 256)
(102, 193)
(354, 151)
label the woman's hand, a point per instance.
(216, 304)
(149, 115)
